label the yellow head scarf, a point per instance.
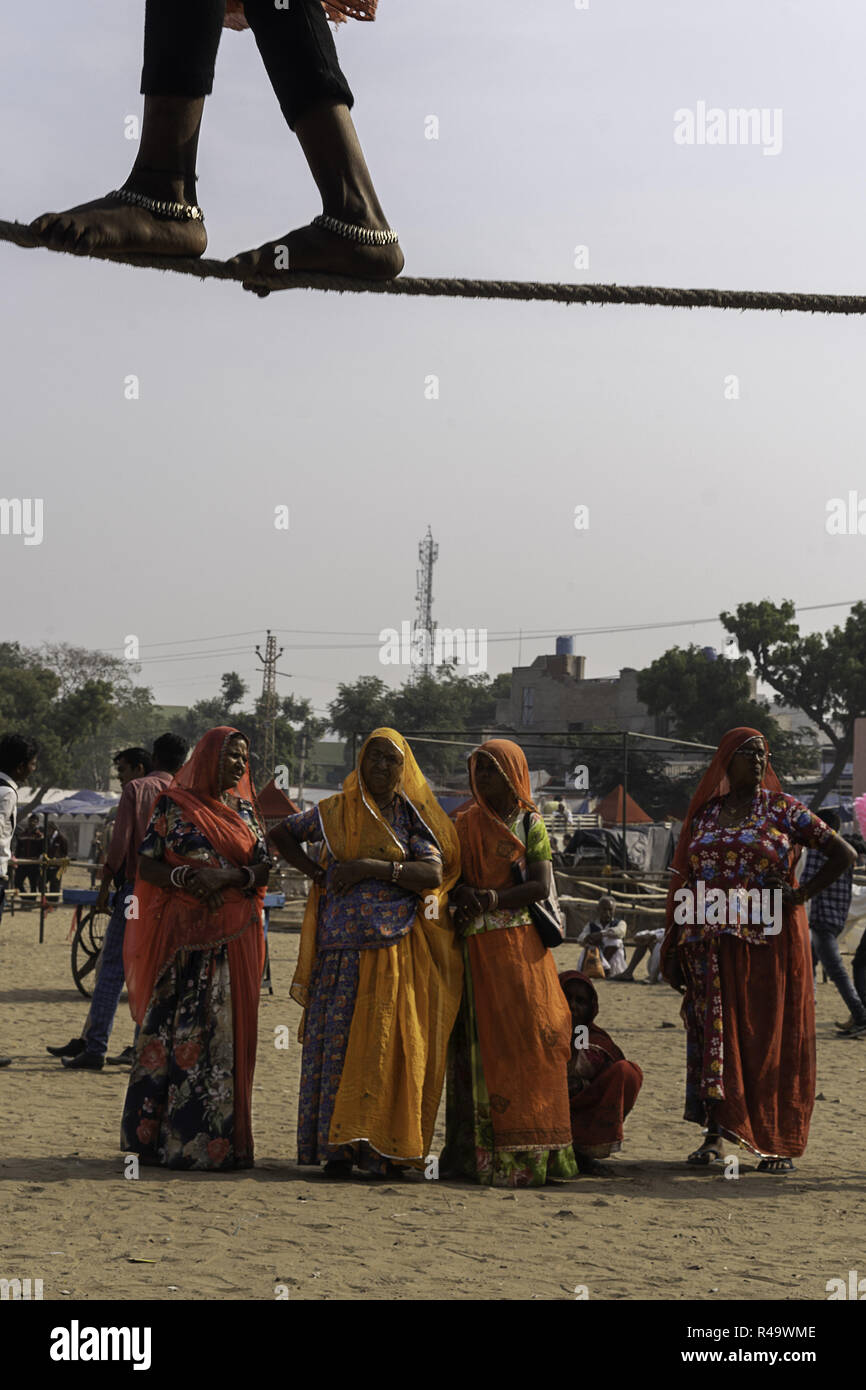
(355, 828)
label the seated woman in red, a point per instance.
(602, 1085)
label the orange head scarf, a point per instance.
(713, 783)
(170, 920)
(487, 847)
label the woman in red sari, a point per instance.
(745, 973)
(193, 959)
(602, 1085)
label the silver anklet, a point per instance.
(160, 207)
(365, 235)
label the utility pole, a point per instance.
(269, 659)
(422, 635)
(302, 766)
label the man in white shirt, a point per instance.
(17, 762)
(606, 931)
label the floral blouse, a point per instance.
(748, 854)
(169, 827)
(374, 912)
(537, 851)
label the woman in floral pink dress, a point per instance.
(746, 974)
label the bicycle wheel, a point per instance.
(86, 945)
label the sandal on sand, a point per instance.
(338, 1169)
(704, 1156)
(776, 1165)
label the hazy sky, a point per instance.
(556, 129)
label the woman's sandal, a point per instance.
(338, 1169)
(705, 1155)
(776, 1165)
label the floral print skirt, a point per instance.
(470, 1147)
(179, 1108)
(328, 1019)
(702, 1015)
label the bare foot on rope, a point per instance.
(366, 250)
(152, 227)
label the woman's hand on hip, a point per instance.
(349, 872)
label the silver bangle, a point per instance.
(396, 870)
(366, 235)
(251, 877)
(178, 875)
(160, 207)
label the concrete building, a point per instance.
(553, 695)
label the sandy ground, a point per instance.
(657, 1230)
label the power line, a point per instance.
(494, 635)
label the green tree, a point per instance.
(360, 706)
(822, 675)
(62, 709)
(707, 697)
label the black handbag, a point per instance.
(546, 914)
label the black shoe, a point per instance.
(5, 1061)
(338, 1169)
(70, 1049)
(123, 1059)
(86, 1061)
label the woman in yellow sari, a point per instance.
(380, 971)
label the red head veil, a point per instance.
(597, 1036)
(487, 846)
(713, 783)
(170, 920)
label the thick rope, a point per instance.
(20, 235)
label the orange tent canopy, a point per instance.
(274, 803)
(610, 809)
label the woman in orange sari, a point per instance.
(193, 958)
(507, 1120)
(743, 959)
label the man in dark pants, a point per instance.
(29, 845)
(17, 763)
(828, 913)
(56, 847)
(140, 792)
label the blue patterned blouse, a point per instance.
(374, 912)
(169, 826)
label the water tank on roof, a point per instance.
(710, 653)
(565, 646)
